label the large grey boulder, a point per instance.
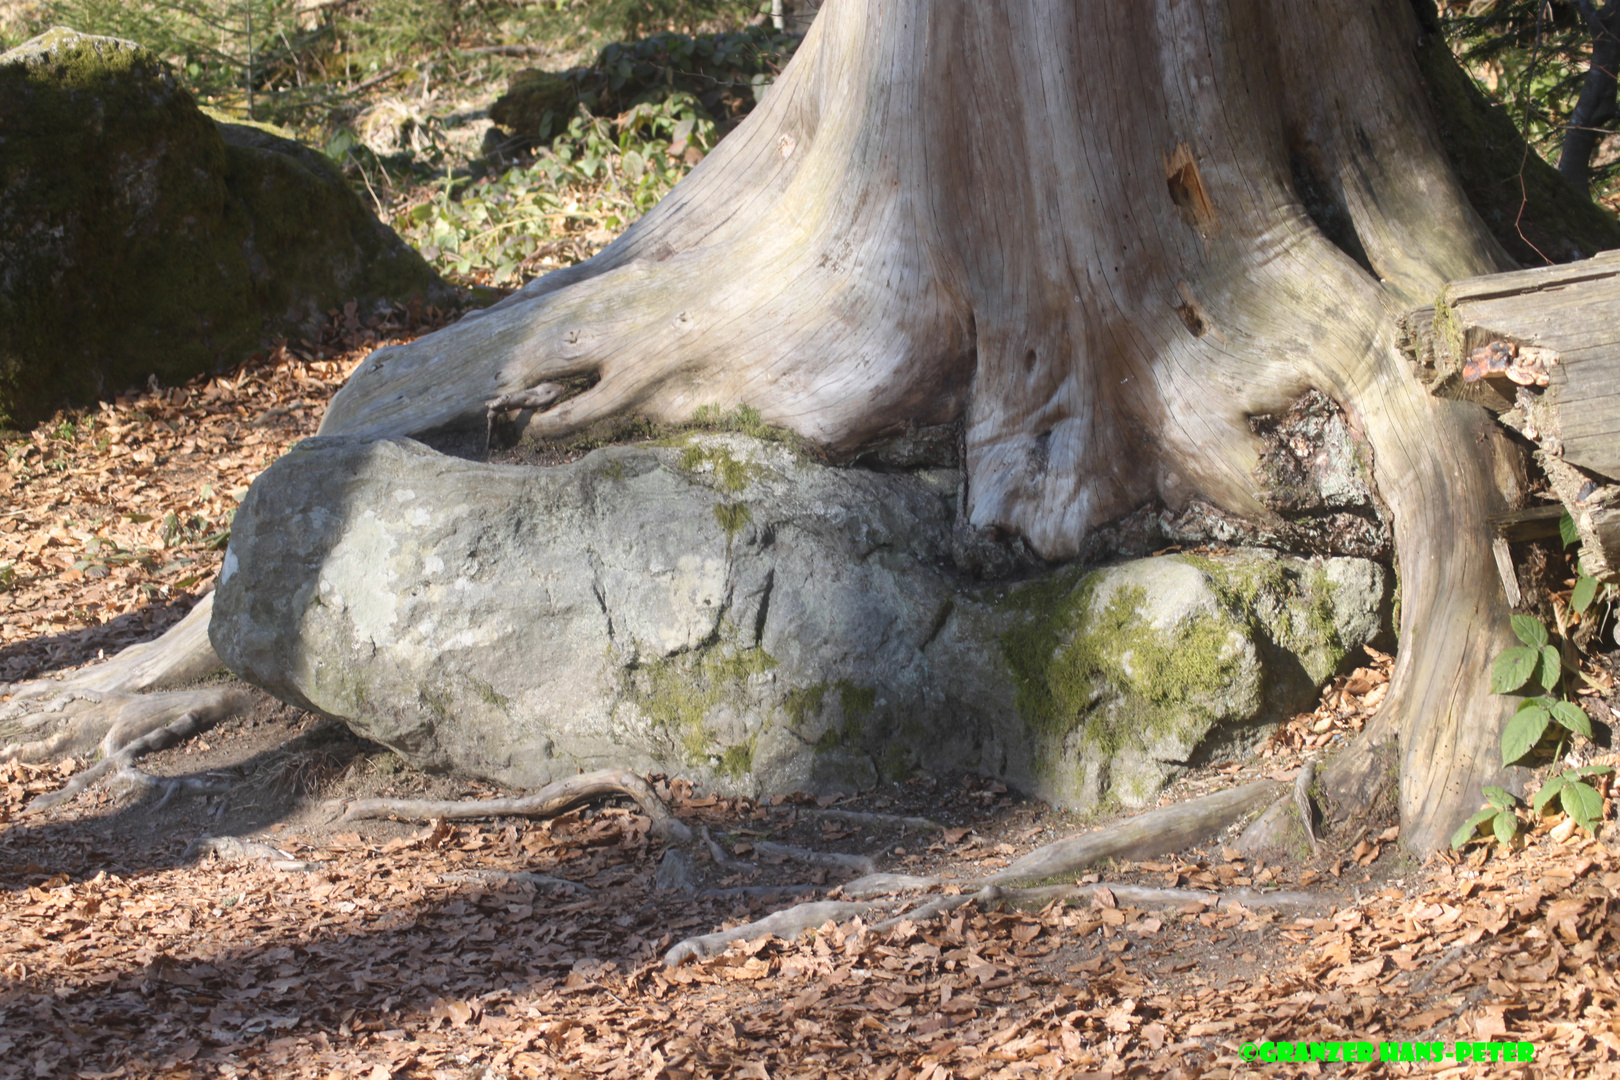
(139, 236)
(719, 606)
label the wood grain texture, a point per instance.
(1100, 236)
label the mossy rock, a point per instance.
(530, 95)
(139, 236)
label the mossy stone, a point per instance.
(140, 237)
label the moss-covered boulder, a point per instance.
(718, 606)
(140, 237)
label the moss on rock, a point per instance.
(140, 237)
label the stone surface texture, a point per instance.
(720, 606)
(139, 236)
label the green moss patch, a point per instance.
(679, 693)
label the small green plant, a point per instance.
(1536, 660)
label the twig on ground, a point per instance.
(549, 801)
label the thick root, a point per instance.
(549, 801)
(1157, 832)
(127, 726)
(182, 655)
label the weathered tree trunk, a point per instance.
(1102, 236)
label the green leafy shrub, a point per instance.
(1541, 719)
(724, 74)
(596, 178)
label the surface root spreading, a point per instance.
(549, 801)
(123, 727)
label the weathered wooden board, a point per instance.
(1573, 310)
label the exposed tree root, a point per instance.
(122, 726)
(549, 801)
(1157, 832)
(183, 654)
(787, 923)
(232, 849)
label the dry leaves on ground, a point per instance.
(114, 519)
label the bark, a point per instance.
(1099, 236)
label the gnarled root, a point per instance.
(1157, 832)
(549, 801)
(183, 654)
(124, 727)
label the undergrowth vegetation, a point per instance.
(1532, 57)
(398, 93)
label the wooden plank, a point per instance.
(1513, 319)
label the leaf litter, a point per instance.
(256, 934)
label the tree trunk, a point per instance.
(1102, 237)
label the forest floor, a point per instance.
(389, 949)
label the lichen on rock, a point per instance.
(521, 623)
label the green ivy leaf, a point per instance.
(1506, 827)
(1567, 530)
(1498, 798)
(1470, 827)
(1548, 791)
(1528, 629)
(1513, 669)
(1583, 803)
(1594, 770)
(1573, 717)
(1552, 667)
(1522, 733)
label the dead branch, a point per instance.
(549, 801)
(787, 923)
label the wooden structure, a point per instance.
(1541, 349)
